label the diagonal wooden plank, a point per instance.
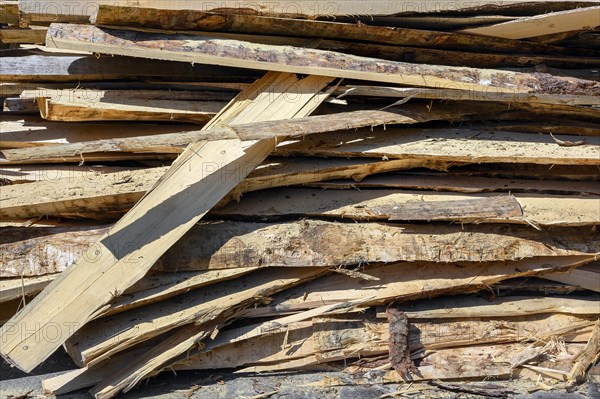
(197, 180)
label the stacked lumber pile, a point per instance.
(399, 194)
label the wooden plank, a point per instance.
(199, 20)
(187, 90)
(475, 362)
(448, 145)
(159, 287)
(63, 10)
(224, 52)
(254, 131)
(31, 35)
(469, 182)
(51, 67)
(192, 186)
(223, 245)
(365, 336)
(20, 131)
(93, 343)
(391, 205)
(587, 357)
(105, 196)
(408, 281)
(85, 109)
(9, 12)
(545, 24)
(501, 307)
(19, 106)
(96, 196)
(452, 94)
(588, 279)
(23, 287)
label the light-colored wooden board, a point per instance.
(88, 193)
(544, 24)
(449, 145)
(9, 12)
(382, 204)
(19, 131)
(407, 281)
(224, 245)
(83, 110)
(22, 287)
(588, 279)
(439, 308)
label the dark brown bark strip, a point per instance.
(399, 349)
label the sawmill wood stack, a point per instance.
(399, 194)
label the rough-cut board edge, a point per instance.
(382, 204)
(330, 289)
(157, 110)
(545, 24)
(448, 145)
(294, 60)
(452, 94)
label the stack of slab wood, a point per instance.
(400, 192)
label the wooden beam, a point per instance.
(199, 20)
(200, 177)
(539, 25)
(448, 145)
(254, 131)
(227, 52)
